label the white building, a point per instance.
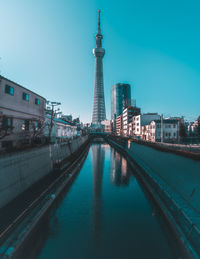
(60, 129)
(119, 125)
(22, 113)
(67, 117)
(128, 114)
(130, 129)
(127, 117)
(194, 128)
(142, 120)
(107, 126)
(155, 131)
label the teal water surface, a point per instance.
(107, 214)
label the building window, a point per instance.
(7, 123)
(25, 97)
(37, 101)
(174, 134)
(9, 89)
(174, 125)
(36, 125)
(25, 125)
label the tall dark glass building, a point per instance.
(99, 111)
(120, 99)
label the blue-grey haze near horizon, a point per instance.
(154, 45)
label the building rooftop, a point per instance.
(2, 77)
(150, 113)
(61, 121)
(167, 121)
(58, 120)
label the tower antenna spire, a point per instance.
(99, 23)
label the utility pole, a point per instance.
(161, 128)
(52, 104)
(0, 70)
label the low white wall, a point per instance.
(20, 170)
(188, 148)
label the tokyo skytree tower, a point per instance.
(99, 112)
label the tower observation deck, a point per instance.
(99, 111)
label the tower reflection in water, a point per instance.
(98, 157)
(119, 172)
(119, 175)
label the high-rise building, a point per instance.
(120, 99)
(99, 111)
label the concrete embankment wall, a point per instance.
(18, 171)
(187, 148)
(190, 151)
(173, 182)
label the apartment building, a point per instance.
(107, 126)
(119, 125)
(142, 120)
(22, 113)
(60, 129)
(166, 130)
(128, 114)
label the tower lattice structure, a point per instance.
(99, 111)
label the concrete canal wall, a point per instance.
(186, 148)
(18, 171)
(190, 151)
(173, 181)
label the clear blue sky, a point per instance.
(154, 45)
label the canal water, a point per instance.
(107, 214)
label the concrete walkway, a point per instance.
(180, 173)
(174, 182)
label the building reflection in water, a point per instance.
(119, 172)
(98, 157)
(119, 176)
